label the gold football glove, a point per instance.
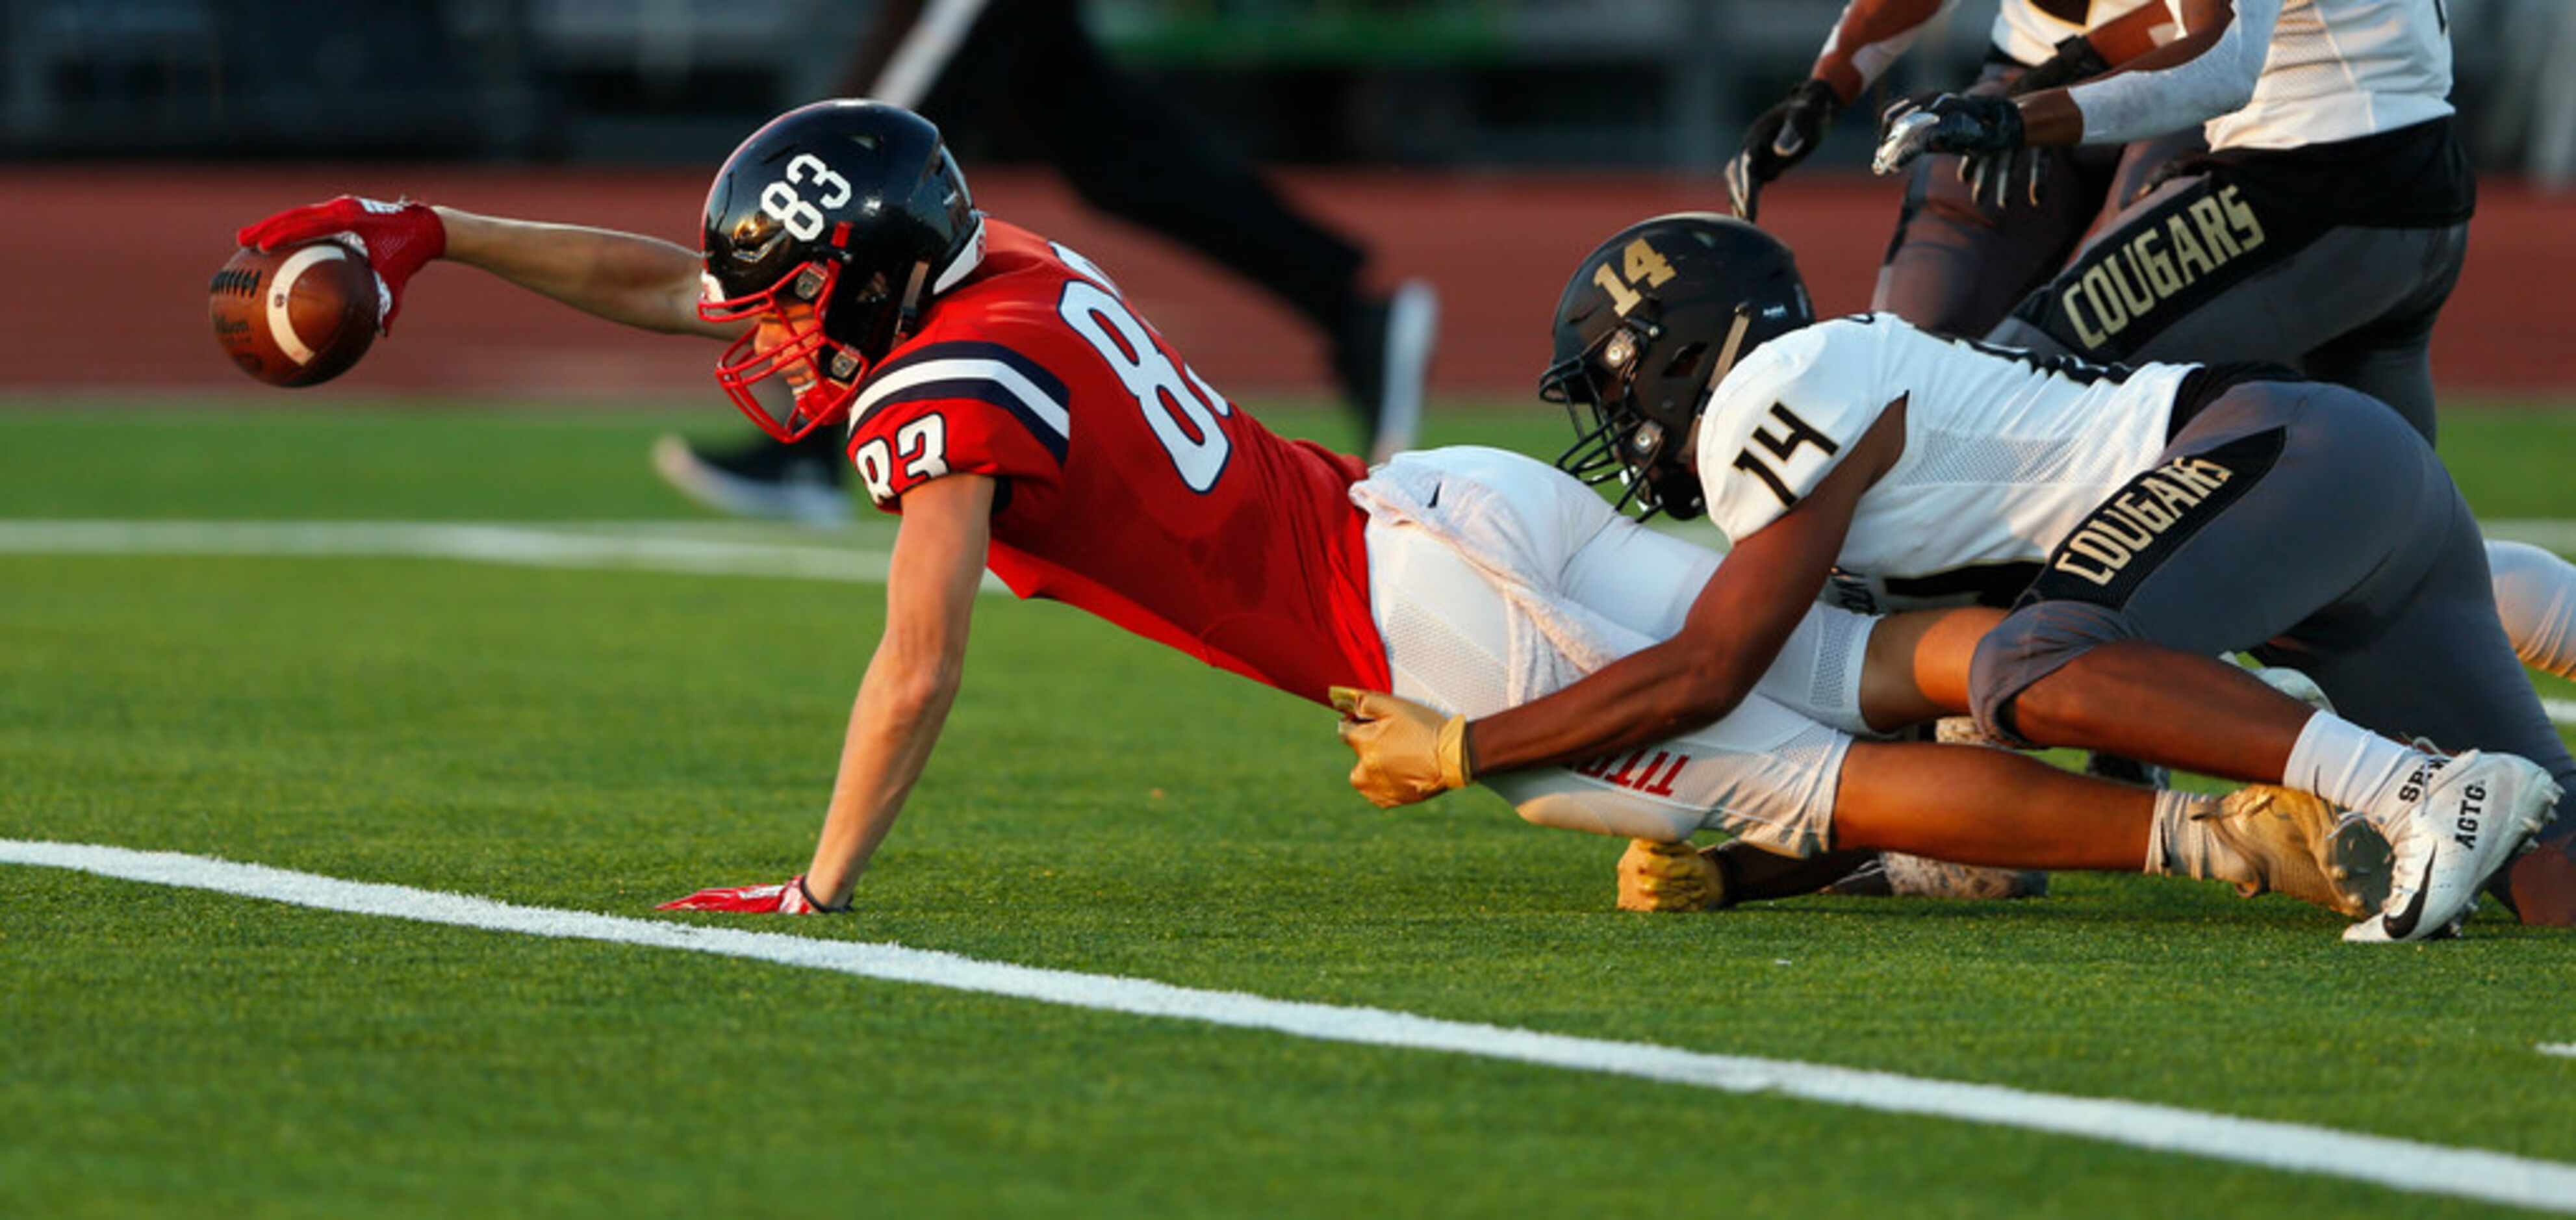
(1670, 877)
(1408, 752)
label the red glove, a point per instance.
(789, 897)
(396, 238)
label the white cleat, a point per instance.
(2476, 813)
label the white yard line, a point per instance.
(857, 555)
(2548, 533)
(2565, 1050)
(2466, 1173)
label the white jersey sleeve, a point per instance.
(1783, 418)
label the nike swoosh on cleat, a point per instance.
(2400, 923)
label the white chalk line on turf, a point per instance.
(2466, 1173)
(674, 547)
(2562, 1049)
(696, 548)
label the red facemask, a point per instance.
(816, 376)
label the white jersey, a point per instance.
(2343, 69)
(2005, 452)
(2029, 33)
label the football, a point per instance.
(295, 317)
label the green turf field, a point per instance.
(601, 740)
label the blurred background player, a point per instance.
(1975, 234)
(1029, 73)
(2324, 230)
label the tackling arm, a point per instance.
(639, 281)
(1734, 630)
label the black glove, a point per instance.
(1780, 138)
(1945, 123)
(1991, 176)
(2075, 60)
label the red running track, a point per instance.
(110, 263)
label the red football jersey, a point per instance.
(1128, 487)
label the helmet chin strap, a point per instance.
(967, 258)
(910, 311)
(1734, 344)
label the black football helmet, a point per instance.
(832, 227)
(1651, 319)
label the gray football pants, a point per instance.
(1958, 264)
(2192, 272)
(2303, 522)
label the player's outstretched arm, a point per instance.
(640, 281)
(903, 701)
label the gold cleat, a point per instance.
(2302, 846)
(1669, 877)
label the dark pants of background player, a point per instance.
(2334, 259)
(1958, 264)
(2333, 543)
(1028, 80)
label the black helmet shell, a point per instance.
(863, 185)
(1651, 318)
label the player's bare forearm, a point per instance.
(912, 680)
(894, 724)
(1869, 35)
(1649, 695)
(628, 278)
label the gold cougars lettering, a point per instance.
(2129, 522)
(2126, 283)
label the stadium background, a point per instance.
(1484, 144)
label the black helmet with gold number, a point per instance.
(832, 227)
(1649, 322)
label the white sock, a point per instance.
(2175, 846)
(2351, 766)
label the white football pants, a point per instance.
(1766, 773)
(2535, 595)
